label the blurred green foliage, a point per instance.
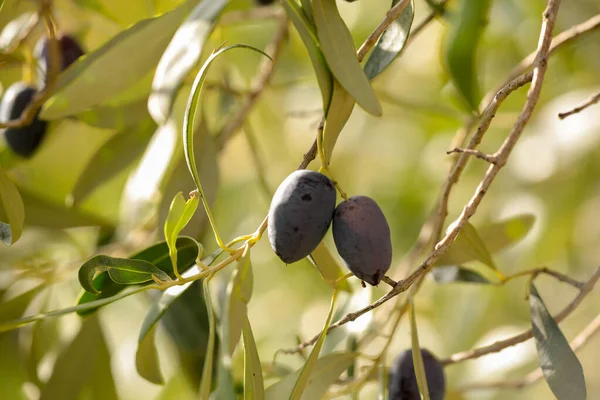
(106, 167)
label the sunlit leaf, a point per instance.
(239, 292)
(146, 359)
(391, 42)
(16, 30)
(92, 80)
(118, 153)
(455, 273)
(467, 246)
(182, 53)
(342, 104)
(117, 117)
(560, 365)
(338, 47)
(157, 255)
(207, 369)
(120, 270)
(86, 357)
(465, 32)
(180, 213)
(328, 266)
(416, 352)
(311, 362)
(326, 371)
(499, 235)
(12, 211)
(253, 379)
(16, 306)
(305, 27)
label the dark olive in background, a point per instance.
(69, 51)
(300, 214)
(25, 140)
(264, 2)
(403, 381)
(362, 237)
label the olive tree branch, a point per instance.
(537, 78)
(576, 344)
(267, 69)
(586, 289)
(39, 98)
(591, 101)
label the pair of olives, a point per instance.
(26, 139)
(301, 211)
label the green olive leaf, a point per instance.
(121, 270)
(182, 53)
(328, 266)
(303, 20)
(180, 213)
(253, 379)
(308, 368)
(462, 40)
(341, 106)
(91, 80)
(12, 211)
(560, 365)
(338, 47)
(416, 352)
(207, 373)
(146, 359)
(391, 42)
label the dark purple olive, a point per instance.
(362, 238)
(69, 52)
(300, 214)
(403, 381)
(24, 140)
(264, 2)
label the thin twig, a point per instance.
(576, 344)
(426, 21)
(267, 69)
(475, 153)
(503, 344)
(591, 101)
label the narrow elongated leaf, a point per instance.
(118, 153)
(461, 48)
(328, 266)
(16, 30)
(92, 80)
(182, 53)
(146, 359)
(311, 362)
(76, 367)
(455, 273)
(342, 104)
(468, 245)
(120, 270)
(16, 306)
(12, 211)
(416, 353)
(391, 42)
(117, 117)
(235, 310)
(496, 236)
(326, 371)
(13, 324)
(338, 47)
(157, 255)
(303, 21)
(560, 365)
(180, 213)
(253, 379)
(207, 374)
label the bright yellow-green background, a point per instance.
(398, 159)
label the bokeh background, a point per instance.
(399, 159)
